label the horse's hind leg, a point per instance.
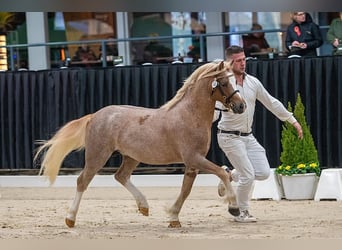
(95, 160)
(188, 181)
(71, 216)
(123, 174)
(83, 181)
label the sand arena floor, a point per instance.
(111, 213)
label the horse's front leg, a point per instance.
(188, 181)
(230, 196)
(211, 168)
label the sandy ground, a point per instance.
(111, 213)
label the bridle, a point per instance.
(216, 84)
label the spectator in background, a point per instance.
(111, 49)
(23, 65)
(195, 48)
(84, 53)
(155, 52)
(303, 36)
(334, 35)
(256, 41)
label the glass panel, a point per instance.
(271, 20)
(181, 25)
(239, 21)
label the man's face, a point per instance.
(238, 63)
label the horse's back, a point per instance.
(120, 117)
(141, 133)
(123, 114)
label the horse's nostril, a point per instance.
(238, 108)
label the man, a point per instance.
(235, 136)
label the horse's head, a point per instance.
(224, 91)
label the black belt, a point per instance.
(239, 133)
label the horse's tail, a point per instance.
(70, 137)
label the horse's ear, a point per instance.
(221, 65)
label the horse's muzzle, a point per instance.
(239, 108)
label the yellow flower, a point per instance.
(301, 166)
(313, 165)
(287, 167)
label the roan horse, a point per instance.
(177, 132)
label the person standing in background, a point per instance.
(303, 36)
(334, 35)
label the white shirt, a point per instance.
(251, 91)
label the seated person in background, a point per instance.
(334, 35)
(84, 53)
(195, 49)
(303, 36)
(255, 42)
(23, 65)
(111, 49)
(156, 53)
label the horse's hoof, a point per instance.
(143, 211)
(69, 223)
(235, 211)
(175, 224)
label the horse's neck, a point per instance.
(200, 104)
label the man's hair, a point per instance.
(234, 49)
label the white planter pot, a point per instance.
(299, 186)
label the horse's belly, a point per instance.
(155, 155)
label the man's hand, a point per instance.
(303, 45)
(296, 44)
(335, 43)
(299, 129)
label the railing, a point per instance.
(103, 42)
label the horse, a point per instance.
(179, 131)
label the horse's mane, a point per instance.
(205, 71)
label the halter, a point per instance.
(216, 84)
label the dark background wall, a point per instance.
(34, 104)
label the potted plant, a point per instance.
(299, 170)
